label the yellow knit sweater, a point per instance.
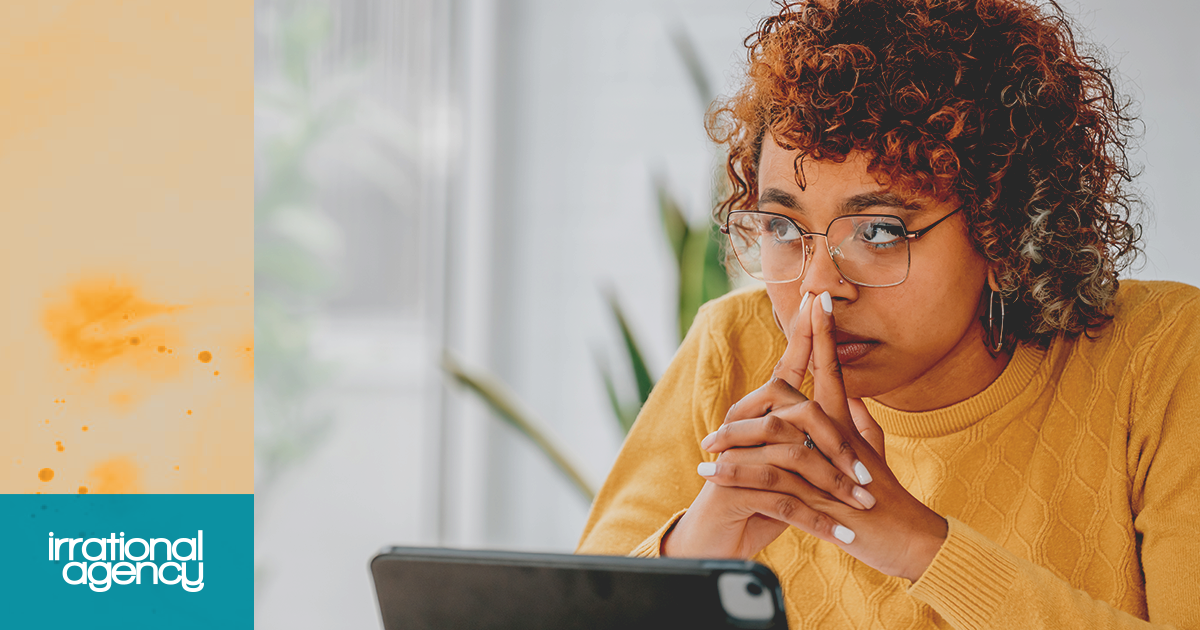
(1071, 484)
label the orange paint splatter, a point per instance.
(47, 420)
(217, 373)
(116, 476)
(170, 351)
(60, 446)
(45, 474)
(85, 427)
(162, 348)
(87, 323)
(122, 400)
(205, 356)
(189, 412)
(82, 490)
(176, 468)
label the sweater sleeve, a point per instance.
(654, 478)
(974, 583)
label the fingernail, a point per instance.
(826, 302)
(860, 471)
(843, 534)
(804, 300)
(708, 440)
(708, 469)
(861, 495)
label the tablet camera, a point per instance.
(744, 599)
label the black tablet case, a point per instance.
(444, 589)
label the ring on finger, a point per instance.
(808, 441)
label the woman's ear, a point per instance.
(992, 284)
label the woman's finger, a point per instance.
(781, 467)
(795, 512)
(828, 387)
(867, 427)
(775, 394)
(794, 364)
(794, 425)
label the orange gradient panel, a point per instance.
(126, 247)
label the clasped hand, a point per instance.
(817, 465)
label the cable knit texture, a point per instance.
(1071, 484)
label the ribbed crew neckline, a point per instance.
(1015, 378)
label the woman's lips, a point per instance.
(853, 351)
(852, 347)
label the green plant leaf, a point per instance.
(621, 411)
(637, 360)
(509, 408)
(716, 279)
(702, 275)
(674, 223)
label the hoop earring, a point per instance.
(992, 323)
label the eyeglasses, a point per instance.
(870, 250)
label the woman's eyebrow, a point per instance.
(777, 196)
(887, 198)
(853, 205)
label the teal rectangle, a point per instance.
(35, 595)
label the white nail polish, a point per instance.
(843, 534)
(804, 300)
(826, 302)
(861, 495)
(708, 469)
(864, 475)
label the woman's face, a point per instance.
(915, 346)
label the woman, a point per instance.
(932, 193)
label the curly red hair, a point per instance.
(989, 100)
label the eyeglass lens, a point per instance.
(868, 250)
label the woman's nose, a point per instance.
(823, 275)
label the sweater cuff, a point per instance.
(652, 546)
(968, 580)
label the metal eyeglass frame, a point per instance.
(909, 235)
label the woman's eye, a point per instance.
(782, 229)
(880, 232)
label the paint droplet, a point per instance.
(248, 349)
(47, 420)
(85, 427)
(82, 489)
(133, 341)
(45, 474)
(162, 348)
(205, 356)
(189, 412)
(117, 476)
(60, 446)
(217, 373)
(176, 468)
(170, 351)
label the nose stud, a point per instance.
(841, 282)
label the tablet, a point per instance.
(428, 588)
